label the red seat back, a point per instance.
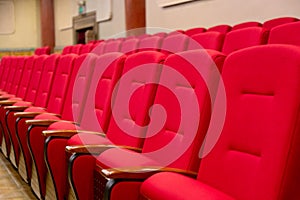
(112, 46)
(36, 76)
(18, 75)
(67, 50)
(269, 24)
(174, 43)
(246, 25)
(223, 28)
(76, 94)
(140, 101)
(208, 40)
(150, 43)
(96, 111)
(257, 153)
(46, 81)
(130, 46)
(15, 64)
(27, 74)
(60, 83)
(285, 34)
(5, 65)
(194, 31)
(243, 38)
(187, 104)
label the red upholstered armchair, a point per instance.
(176, 145)
(257, 155)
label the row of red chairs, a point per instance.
(31, 84)
(215, 38)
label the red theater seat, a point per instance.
(139, 105)
(168, 147)
(194, 31)
(152, 43)
(285, 34)
(130, 46)
(243, 38)
(174, 43)
(246, 25)
(257, 154)
(223, 28)
(208, 40)
(269, 24)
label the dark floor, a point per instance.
(11, 184)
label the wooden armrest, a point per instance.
(7, 102)
(27, 114)
(68, 133)
(140, 172)
(4, 98)
(40, 122)
(96, 149)
(15, 108)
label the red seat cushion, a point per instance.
(172, 186)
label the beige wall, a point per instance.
(207, 13)
(27, 26)
(63, 14)
(204, 13)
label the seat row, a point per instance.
(41, 116)
(223, 29)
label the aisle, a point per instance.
(12, 187)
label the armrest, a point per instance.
(27, 114)
(15, 108)
(96, 149)
(3, 98)
(140, 172)
(68, 133)
(7, 102)
(40, 122)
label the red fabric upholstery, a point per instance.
(18, 75)
(243, 38)
(269, 24)
(194, 31)
(160, 34)
(112, 46)
(67, 50)
(130, 46)
(176, 32)
(49, 70)
(150, 43)
(76, 49)
(64, 74)
(174, 186)
(26, 76)
(246, 25)
(257, 154)
(223, 28)
(172, 132)
(174, 43)
(5, 63)
(102, 86)
(209, 40)
(138, 115)
(42, 51)
(285, 34)
(86, 49)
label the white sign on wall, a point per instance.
(167, 3)
(7, 17)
